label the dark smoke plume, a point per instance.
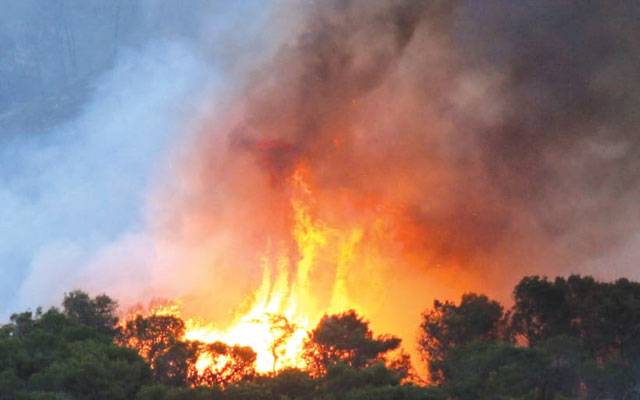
(508, 130)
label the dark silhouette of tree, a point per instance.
(151, 336)
(292, 384)
(605, 317)
(448, 326)
(282, 330)
(345, 338)
(228, 364)
(486, 371)
(541, 309)
(158, 339)
(99, 312)
(589, 350)
(175, 364)
(49, 355)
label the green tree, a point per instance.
(345, 338)
(158, 339)
(448, 326)
(99, 312)
(489, 371)
(292, 384)
(605, 317)
(51, 355)
(94, 370)
(608, 319)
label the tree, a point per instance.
(541, 309)
(608, 319)
(291, 384)
(50, 355)
(152, 335)
(613, 379)
(448, 326)
(481, 370)
(282, 330)
(605, 317)
(99, 313)
(175, 365)
(94, 370)
(345, 338)
(158, 339)
(226, 364)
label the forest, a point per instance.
(563, 338)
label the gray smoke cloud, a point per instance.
(508, 131)
(93, 98)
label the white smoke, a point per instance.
(74, 195)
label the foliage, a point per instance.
(158, 339)
(68, 355)
(567, 338)
(575, 337)
(98, 312)
(229, 364)
(604, 316)
(448, 326)
(345, 338)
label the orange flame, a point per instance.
(283, 308)
(341, 253)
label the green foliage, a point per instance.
(93, 370)
(448, 326)
(10, 384)
(405, 392)
(614, 379)
(291, 384)
(158, 339)
(491, 371)
(61, 355)
(161, 392)
(573, 338)
(98, 313)
(345, 338)
(578, 338)
(605, 316)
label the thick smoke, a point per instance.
(474, 141)
(508, 125)
(504, 134)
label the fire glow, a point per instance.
(275, 319)
(283, 309)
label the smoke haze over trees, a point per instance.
(588, 349)
(419, 149)
(512, 123)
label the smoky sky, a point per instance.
(539, 98)
(92, 97)
(508, 131)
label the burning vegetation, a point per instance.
(388, 156)
(291, 299)
(572, 337)
(393, 152)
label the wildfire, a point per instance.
(283, 308)
(276, 317)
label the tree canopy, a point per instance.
(566, 338)
(569, 337)
(345, 338)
